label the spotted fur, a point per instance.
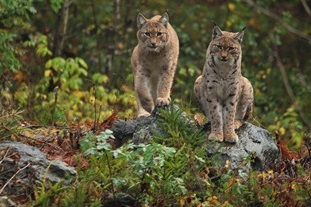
(224, 95)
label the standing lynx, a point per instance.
(153, 62)
(225, 96)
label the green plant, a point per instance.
(97, 145)
(172, 169)
(163, 169)
(9, 124)
(66, 92)
(14, 17)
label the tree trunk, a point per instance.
(61, 28)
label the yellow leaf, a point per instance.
(79, 94)
(294, 187)
(47, 73)
(231, 6)
(282, 130)
(75, 107)
(228, 23)
(270, 172)
(262, 175)
(182, 202)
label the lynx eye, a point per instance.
(231, 48)
(159, 34)
(219, 46)
(147, 34)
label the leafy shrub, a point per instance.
(173, 170)
(67, 92)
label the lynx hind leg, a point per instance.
(249, 112)
(197, 87)
(245, 104)
(199, 95)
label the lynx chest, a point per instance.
(222, 88)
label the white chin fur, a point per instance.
(156, 49)
(228, 62)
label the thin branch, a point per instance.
(5, 155)
(289, 89)
(306, 7)
(287, 26)
(18, 171)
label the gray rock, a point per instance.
(40, 169)
(6, 202)
(255, 145)
(256, 148)
(138, 130)
(119, 199)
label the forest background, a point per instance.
(65, 77)
(68, 61)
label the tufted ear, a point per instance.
(216, 32)
(164, 19)
(141, 20)
(239, 36)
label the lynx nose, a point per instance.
(153, 43)
(224, 58)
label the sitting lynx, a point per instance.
(225, 96)
(153, 62)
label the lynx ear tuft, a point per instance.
(141, 20)
(239, 36)
(164, 19)
(216, 32)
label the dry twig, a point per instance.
(7, 150)
(18, 171)
(306, 7)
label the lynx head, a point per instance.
(153, 33)
(225, 47)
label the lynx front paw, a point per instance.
(146, 114)
(231, 138)
(163, 101)
(143, 113)
(216, 137)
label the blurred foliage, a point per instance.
(83, 48)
